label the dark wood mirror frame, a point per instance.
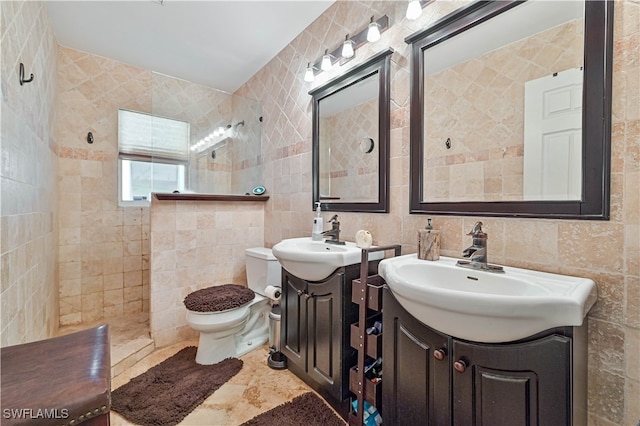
(378, 64)
(596, 117)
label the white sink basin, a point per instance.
(316, 260)
(483, 306)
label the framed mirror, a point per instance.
(511, 110)
(351, 134)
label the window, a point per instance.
(153, 156)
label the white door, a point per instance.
(553, 137)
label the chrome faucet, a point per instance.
(477, 253)
(334, 232)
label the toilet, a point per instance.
(234, 332)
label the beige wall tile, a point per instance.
(184, 260)
(29, 177)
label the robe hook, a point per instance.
(22, 79)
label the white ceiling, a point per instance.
(220, 44)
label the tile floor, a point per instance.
(254, 390)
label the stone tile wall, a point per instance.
(196, 244)
(608, 252)
(28, 194)
(104, 248)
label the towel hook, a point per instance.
(22, 79)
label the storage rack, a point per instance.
(367, 293)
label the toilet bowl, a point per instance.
(234, 332)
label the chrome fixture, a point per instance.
(347, 49)
(334, 232)
(477, 253)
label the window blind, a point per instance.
(149, 135)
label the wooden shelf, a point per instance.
(209, 197)
(374, 341)
(375, 284)
(372, 391)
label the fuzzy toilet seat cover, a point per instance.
(219, 298)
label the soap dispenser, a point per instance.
(316, 233)
(428, 243)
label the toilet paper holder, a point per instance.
(273, 292)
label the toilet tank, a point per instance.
(263, 269)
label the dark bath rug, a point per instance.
(307, 409)
(166, 393)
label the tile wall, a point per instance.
(104, 248)
(608, 252)
(196, 245)
(28, 168)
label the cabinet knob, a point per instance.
(439, 354)
(300, 292)
(460, 366)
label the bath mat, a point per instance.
(167, 393)
(307, 409)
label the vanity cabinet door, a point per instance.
(314, 328)
(416, 385)
(324, 315)
(512, 384)
(293, 340)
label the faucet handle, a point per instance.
(477, 229)
(334, 219)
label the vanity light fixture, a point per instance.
(345, 51)
(326, 61)
(347, 48)
(373, 32)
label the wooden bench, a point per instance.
(64, 380)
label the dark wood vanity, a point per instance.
(315, 331)
(431, 378)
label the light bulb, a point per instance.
(308, 75)
(414, 10)
(373, 34)
(326, 61)
(221, 130)
(347, 48)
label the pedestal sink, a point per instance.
(483, 306)
(316, 260)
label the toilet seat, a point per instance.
(219, 298)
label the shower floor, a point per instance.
(130, 339)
